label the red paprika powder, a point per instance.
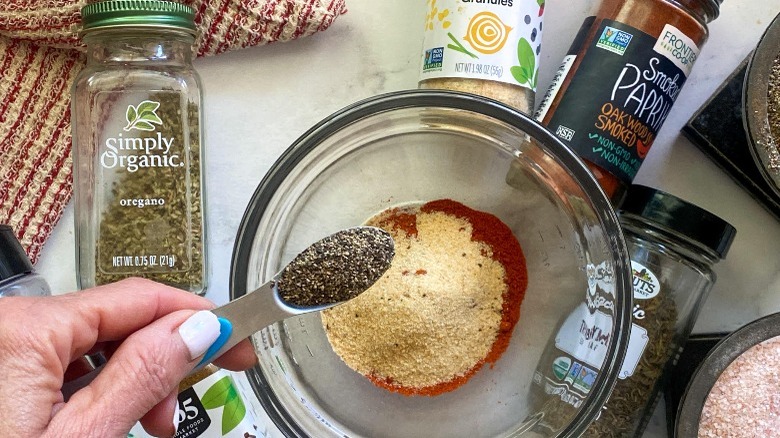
(619, 80)
(505, 249)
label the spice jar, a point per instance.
(487, 48)
(215, 403)
(673, 246)
(137, 148)
(17, 276)
(617, 84)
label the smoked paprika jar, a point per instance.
(619, 80)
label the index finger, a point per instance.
(114, 311)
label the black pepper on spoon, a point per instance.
(335, 269)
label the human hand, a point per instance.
(153, 336)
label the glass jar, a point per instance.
(137, 149)
(619, 80)
(673, 246)
(17, 276)
(490, 49)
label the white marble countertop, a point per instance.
(259, 100)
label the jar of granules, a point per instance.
(490, 48)
(673, 246)
(137, 148)
(617, 84)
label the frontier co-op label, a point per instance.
(497, 40)
(622, 93)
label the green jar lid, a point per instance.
(113, 13)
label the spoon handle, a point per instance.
(244, 316)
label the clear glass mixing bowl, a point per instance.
(418, 146)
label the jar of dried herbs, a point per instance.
(137, 149)
(673, 246)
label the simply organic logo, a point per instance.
(143, 117)
(149, 149)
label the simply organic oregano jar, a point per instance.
(137, 147)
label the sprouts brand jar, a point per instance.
(490, 48)
(617, 84)
(673, 246)
(137, 146)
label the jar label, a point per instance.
(637, 341)
(147, 186)
(497, 40)
(621, 94)
(645, 282)
(678, 48)
(220, 405)
(585, 335)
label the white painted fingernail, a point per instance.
(199, 331)
(176, 418)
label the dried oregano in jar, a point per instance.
(137, 146)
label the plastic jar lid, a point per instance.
(670, 212)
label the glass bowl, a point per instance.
(764, 146)
(417, 146)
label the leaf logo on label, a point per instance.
(223, 394)
(526, 72)
(143, 117)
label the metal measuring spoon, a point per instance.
(330, 271)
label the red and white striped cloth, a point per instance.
(39, 58)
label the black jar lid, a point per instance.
(671, 212)
(13, 259)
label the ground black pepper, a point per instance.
(336, 268)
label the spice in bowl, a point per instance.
(446, 307)
(773, 115)
(745, 400)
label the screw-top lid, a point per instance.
(112, 13)
(13, 259)
(671, 212)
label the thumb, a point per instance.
(145, 369)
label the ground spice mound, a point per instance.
(447, 305)
(745, 400)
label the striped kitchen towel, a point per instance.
(40, 55)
